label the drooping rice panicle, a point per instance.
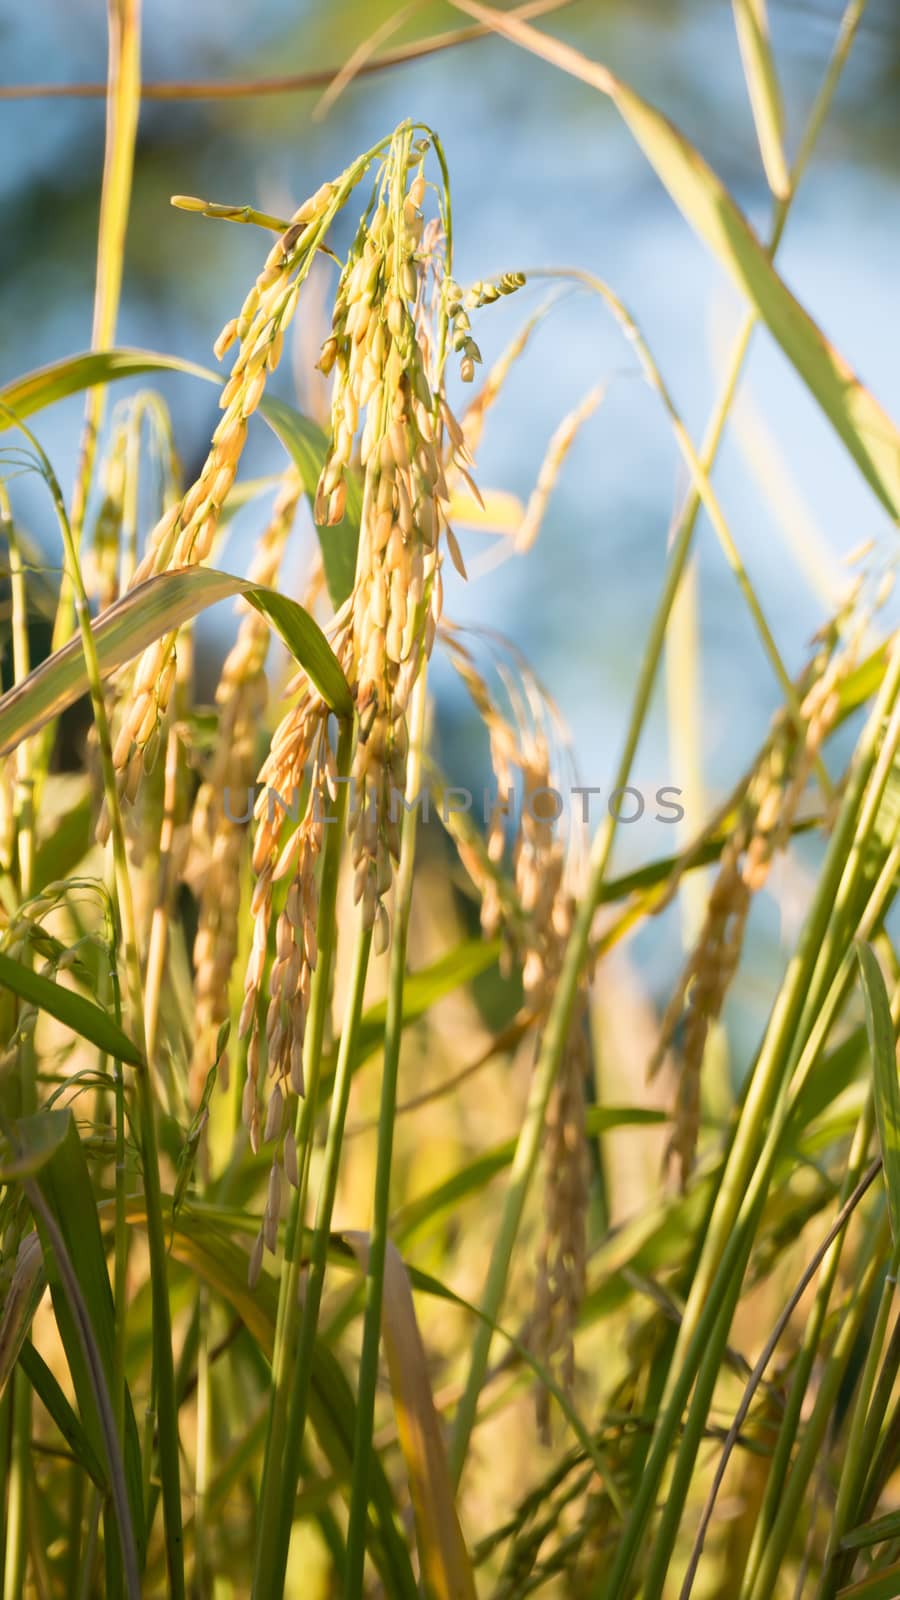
(543, 895)
(218, 823)
(390, 422)
(770, 806)
(184, 536)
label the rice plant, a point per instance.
(281, 1313)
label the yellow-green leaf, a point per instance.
(304, 441)
(157, 607)
(82, 1016)
(883, 1048)
(865, 428)
(446, 1568)
(752, 25)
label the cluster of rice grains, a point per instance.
(765, 816)
(184, 535)
(219, 819)
(396, 315)
(534, 912)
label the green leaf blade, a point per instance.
(304, 441)
(752, 26)
(882, 1044)
(82, 1016)
(146, 613)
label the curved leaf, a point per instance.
(82, 1016)
(23, 1296)
(68, 1224)
(146, 613)
(304, 441)
(221, 1264)
(865, 428)
(752, 25)
(49, 1392)
(446, 1567)
(883, 1047)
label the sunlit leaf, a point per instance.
(304, 441)
(65, 1185)
(82, 1016)
(882, 1044)
(865, 428)
(156, 607)
(752, 24)
(446, 1568)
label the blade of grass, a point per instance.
(817, 1425)
(51, 1396)
(863, 1430)
(152, 609)
(163, 1367)
(83, 1017)
(819, 1256)
(83, 1326)
(752, 26)
(810, 998)
(304, 441)
(883, 1050)
(393, 1034)
(443, 1557)
(556, 1030)
(860, 422)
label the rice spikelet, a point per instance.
(386, 351)
(184, 536)
(763, 828)
(218, 831)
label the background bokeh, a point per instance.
(543, 174)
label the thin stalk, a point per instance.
(122, 111)
(6, 1429)
(272, 1562)
(744, 1184)
(89, 1556)
(812, 1333)
(809, 1454)
(156, 1242)
(74, 1521)
(16, 1552)
(393, 1032)
(18, 1491)
(202, 1469)
(704, 489)
(850, 1200)
(556, 1031)
(879, 1448)
(288, 1316)
(24, 763)
(854, 1462)
(806, 1357)
(120, 1226)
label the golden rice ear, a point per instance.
(222, 809)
